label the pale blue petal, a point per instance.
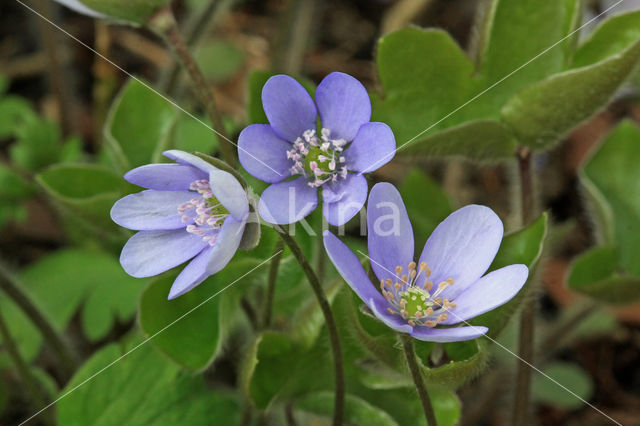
(462, 247)
(81, 8)
(457, 334)
(343, 104)
(395, 322)
(350, 269)
(211, 260)
(150, 253)
(263, 154)
(165, 177)
(344, 200)
(373, 147)
(288, 107)
(288, 201)
(230, 193)
(190, 159)
(151, 209)
(389, 231)
(493, 290)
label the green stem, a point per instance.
(30, 382)
(527, 319)
(271, 284)
(64, 354)
(409, 351)
(338, 412)
(165, 25)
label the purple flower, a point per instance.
(333, 159)
(189, 210)
(446, 286)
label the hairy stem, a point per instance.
(409, 351)
(55, 341)
(165, 25)
(271, 284)
(527, 319)
(338, 412)
(29, 381)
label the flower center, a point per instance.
(419, 305)
(320, 160)
(206, 212)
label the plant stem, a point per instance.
(338, 412)
(527, 318)
(22, 367)
(64, 354)
(165, 25)
(429, 414)
(271, 284)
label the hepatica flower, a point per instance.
(299, 160)
(445, 286)
(190, 210)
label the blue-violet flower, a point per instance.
(190, 210)
(446, 286)
(333, 159)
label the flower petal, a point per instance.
(149, 253)
(230, 193)
(344, 200)
(344, 105)
(393, 321)
(81, 8)
(148, 210)
(165, 177)
(263, 154)
(288, 107)
(462, 247)
(288, 201)
(211, 260)
(389, 231)
(190, 159)
(456, 334)
(494, 289)
(373, 147)
(350, 268)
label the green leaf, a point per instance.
(543, 113)
(356, 411)
(191, 135)
(219, 60)
(142, 388)
(138, 125)
(86, 191)
(498, 142)
(594, 274)
(612, 178)
(13, 187)
(525, 247)
(37, 144)
(132, 11)
(188, 329)
(15, 112)
(570, 376)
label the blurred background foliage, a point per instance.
(448, 77)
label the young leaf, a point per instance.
(138, 125)
(142, 388)
(357, 410)
(188, 328)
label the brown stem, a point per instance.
(64, 354)
(409, 351)
(334, 338)
(165, 25)
(271, 284)
(527, 318)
